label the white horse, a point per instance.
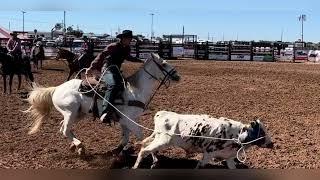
(74, 105)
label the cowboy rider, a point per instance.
(14, 46)
(36, 39)
(37, 42)
(110, 61)
(87, 51)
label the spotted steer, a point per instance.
(168, 123)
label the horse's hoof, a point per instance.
(72, 147)
(81, 151)
(154, 166)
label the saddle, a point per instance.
(100, 88)
(86, 87)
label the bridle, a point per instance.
(165, 81)
(167, 74)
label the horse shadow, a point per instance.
(127, 160)
(54, 69)
(23, 95)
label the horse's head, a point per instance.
(58, 54)
(3, 56)
(160, 69)
(65, 54)
(3, 50)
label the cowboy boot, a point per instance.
(107, 113)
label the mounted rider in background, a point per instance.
(14, 47)
(110, 61)
(86, 51)
(37, 43)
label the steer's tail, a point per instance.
(40, 100)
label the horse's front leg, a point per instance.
(126, 128)
(4, 83)
(41, 63)
(35, 63)
(125, 136)
(19, 81)
(10, 83)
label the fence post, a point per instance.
(206, 54)
(229, 50)
(137, 49)
(160, 49)
(251, 51)
(272, 48)
(294, 52)
(170, 49)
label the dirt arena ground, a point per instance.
(285, 96)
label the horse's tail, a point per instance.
(41, 103)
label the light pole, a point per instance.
(152, 26)
(64, 29)
(23, 20)
(302, 18)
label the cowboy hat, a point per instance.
(125, 34)
(13, 34)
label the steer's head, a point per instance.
(257, 130)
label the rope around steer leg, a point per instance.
(236, 140)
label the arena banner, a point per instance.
(258, 58)
(201, 54)
(314, 56)
(242, 57)
(188, 53)
(263, 58)
(301, 55)
(286, 55)
(166, 53)
(218, 56)
(145, 55)
(177, 51)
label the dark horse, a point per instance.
(11, 67)
(73, 63)
(37, 55)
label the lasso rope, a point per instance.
(236, 140)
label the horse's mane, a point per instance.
(133, 78)
(3, 50)
(67, 53)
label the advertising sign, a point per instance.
(218, 56)
(258, 58)
(145, 55)
(241, 57)
(188, 52)
(301, 55)
(177, 51)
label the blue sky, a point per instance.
(228, 19)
